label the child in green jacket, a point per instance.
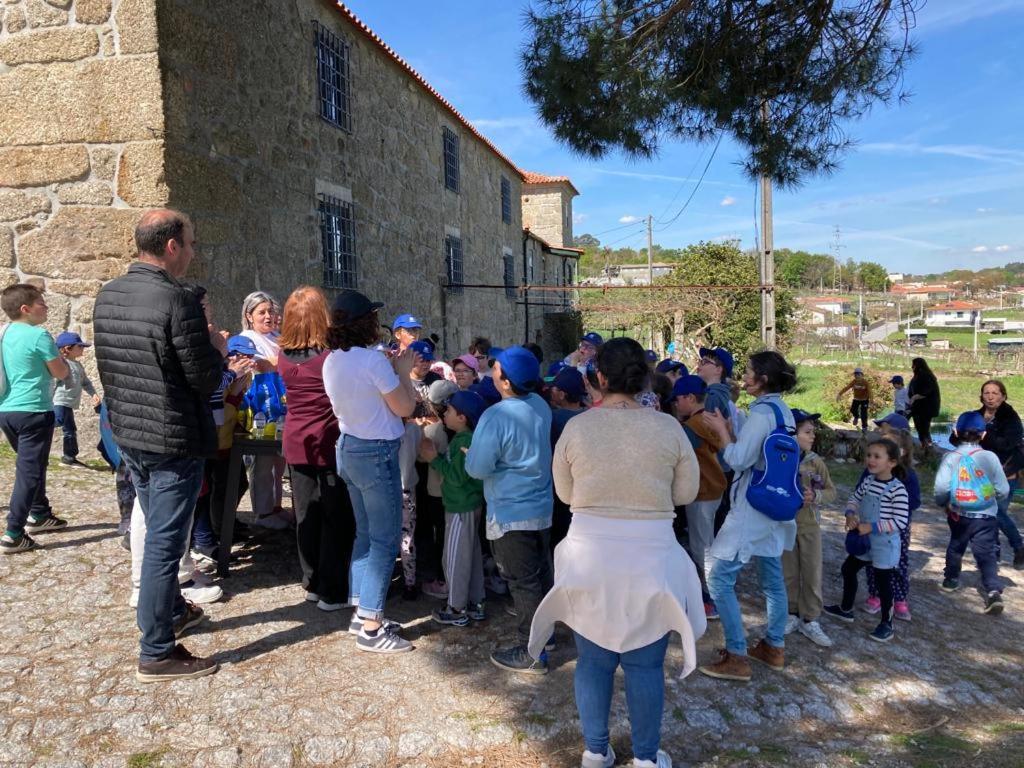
(463, 498)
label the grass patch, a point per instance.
(999, 728)
(770, 754)
(677, 713)
(855, 756)
(536, 718)
(146, 759)
(934, 749)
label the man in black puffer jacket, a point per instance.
(159, 364)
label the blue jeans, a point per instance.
(645, 694)
(167, 488)
(1006, 523)
(722, 585)
(371, 472)
(30, 435)
(65, 418)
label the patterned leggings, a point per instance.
(408, 548)
(901, 576)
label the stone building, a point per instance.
(304, 148)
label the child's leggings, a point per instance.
(901, 576)
(883, 579)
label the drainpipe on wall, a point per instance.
(526, 295)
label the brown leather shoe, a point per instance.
(728, 667)
(768, 654)
(178, 665)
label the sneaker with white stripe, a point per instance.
(385, 639)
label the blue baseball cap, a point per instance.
(554, 369)
(70, 339)
(593, 338)
(406, 321)
(689, 385)
(858, 544)
(970, 421)
(570, 381)
(800, 416)
(652, 356)
(519, 366)
(424, 349)
(896, 380)
(668, 366)
(241, 345)
(894, 420)
(469, 404)
(493, 352)
(722, 355)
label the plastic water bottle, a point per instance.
(259, 423)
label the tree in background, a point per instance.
(626, 74)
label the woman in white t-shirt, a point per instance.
(370, 395)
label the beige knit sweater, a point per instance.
(626, 463)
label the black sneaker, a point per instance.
(411, 592)
(11, 546)
(1018, 559)
(518, 659)
(384, 639)
(476, 611)
(193, 615)
(356, 625)
(837, 612)
(48, 523)
(883, 633)
(950, 585)
(178, 665)
(994, 603)
(451, 617)
(126, 541)
(71, 462)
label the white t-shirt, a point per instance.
(356, 382)
(267, 347)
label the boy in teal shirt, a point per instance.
(30, 363)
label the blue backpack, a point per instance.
(971, 489)
(775, 491)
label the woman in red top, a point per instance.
(325, 526)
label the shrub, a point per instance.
(839, 377)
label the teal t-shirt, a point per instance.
(26, 351)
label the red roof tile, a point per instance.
(954, 305)
(530, 177)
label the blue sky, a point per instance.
(935, 183)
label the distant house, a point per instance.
(632, 274)
(953, 314)
(919, 292)
(836, 331)
(894, 278)
(832, 305)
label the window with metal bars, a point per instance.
(509, 266)
(453, 263)
(333, 76)
(338, 242)
(450, 141)
(506, 200)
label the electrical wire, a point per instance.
(694, 192)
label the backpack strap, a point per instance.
(780, 422)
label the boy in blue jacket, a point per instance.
(511, 453)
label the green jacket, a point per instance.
(459, 491)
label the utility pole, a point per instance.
(650, 250)
(837, 268)
(767, 255)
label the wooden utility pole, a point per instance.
(767, 260)
(650, 250)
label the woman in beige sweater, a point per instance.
(622, 583)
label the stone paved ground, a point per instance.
(292, 691)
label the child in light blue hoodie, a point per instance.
(511, 453)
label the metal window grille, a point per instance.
(509, 267)
(451, 159)
(333, 77)
(453, 263)
(338, 240)
(566, 281)
(506, 200)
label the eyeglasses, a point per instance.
(709, 361)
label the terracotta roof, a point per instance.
(954, 305)
(548, 245)
(374, 38)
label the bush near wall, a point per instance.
(839, 410)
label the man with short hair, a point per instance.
(30, 362)
(159, 364)
(715, 367)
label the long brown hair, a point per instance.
(305, 319)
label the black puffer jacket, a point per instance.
(157, 364)
(1004, 436)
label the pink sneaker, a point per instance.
(901, 611)
(872, 605)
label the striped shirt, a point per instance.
(894, 505)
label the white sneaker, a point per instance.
(202, 595)
(133, 600)
(590, 760)
(312, 597)
(198, 579)
(812, 631)
(323, 605)
(792, 624)
(273, 522)
(664, 761)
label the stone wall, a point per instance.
(547, 212)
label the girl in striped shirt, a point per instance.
(879, 508)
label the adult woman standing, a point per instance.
(748, 533)
(925, 399)
(1004, 434)
(325, 527)
(622, 468)
(370, 395)
(267, 474)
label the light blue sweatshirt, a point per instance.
(984, 460)
(511, 453)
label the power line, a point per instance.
(694, 192)
(687, 178)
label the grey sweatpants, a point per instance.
(463, 560)
(700, 522)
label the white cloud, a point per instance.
(937, 200)
(728, 200)
(579, 218)
(1014, 157)
(984, 210)
(660, 177)
(628, 219)
(979, 249)
(1002, 248)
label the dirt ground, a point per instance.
(293, 692)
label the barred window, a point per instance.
(509, 275)
(453, 263)
(451, 159)
(333, 76)
(506, 200)
(338, 240)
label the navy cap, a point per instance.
(486, 389)
(353, 305)
(570, 381)
(424, 349)
(894, 420)
(519, 366)
(406, 321)
(689, 385)
(469, 404)
(70, 339)
(555, 368)
(858, 544)
(970, 421)
(668, 366)
(800, 416)
(241, 345)
(652, 356)
(896, 380)
(722, 355)
(593, 338)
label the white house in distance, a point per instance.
(919, 292)
(953, 314)
(632, 274)
(823, 309)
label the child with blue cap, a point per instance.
(67, 396)
(406, 329)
